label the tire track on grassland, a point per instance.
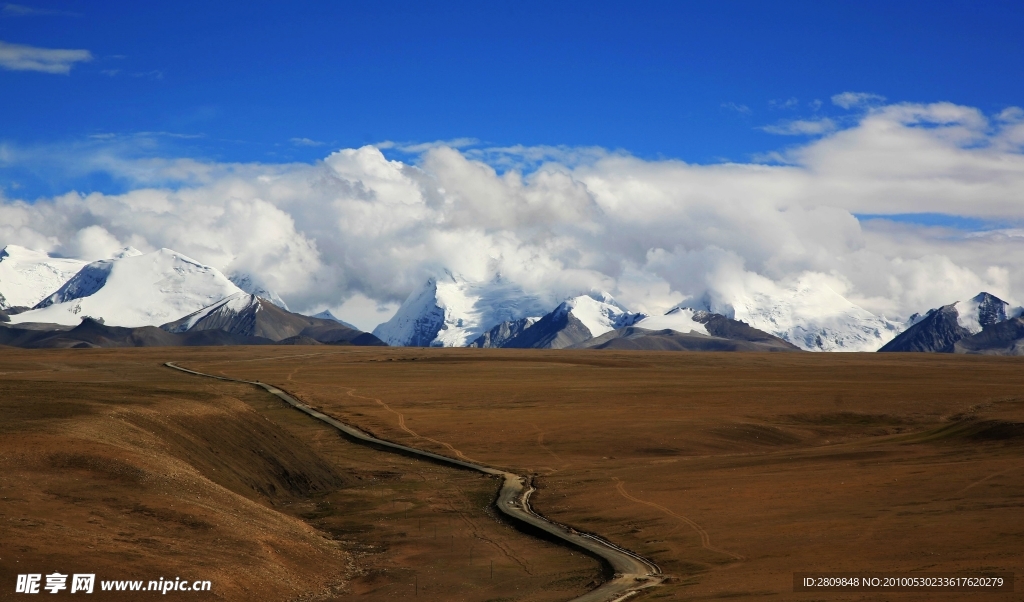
(544, 446)
(402, 425)
(980, 481)
(705, 539)
(505, 549)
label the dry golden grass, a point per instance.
(111, 463)
(732, 471)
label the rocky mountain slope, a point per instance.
(940, 329)
(247, 315)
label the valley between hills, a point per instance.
(731, 471)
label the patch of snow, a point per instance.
(979, 311)
(679, 319)
(27, 276)
(141, 290)
(967, 315)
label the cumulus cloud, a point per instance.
(849, 100)
(18, 57)
(358, 231)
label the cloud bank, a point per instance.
(18, 57)
(357, 226)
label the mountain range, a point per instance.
(138, 299)
(454, 311)
(166, 298)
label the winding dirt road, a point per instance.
(632, 572)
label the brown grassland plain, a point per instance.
(731, 471)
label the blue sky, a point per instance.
(875, 149)
(276, 81)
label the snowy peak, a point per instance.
(980, 311)
(127, 252)
(249, 284)
(599, 312)
(27, 276)
(327, 315)
(451, 311)
(141, 290)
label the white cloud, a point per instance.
(1011, 115)
(732, 106)
(801, 127)
(363, 312)
(19, 10)
(415, 148)
(306, 142)
(849, 100)
(18, 57)
(789, 103)
(357, 232)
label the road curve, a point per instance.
(632, 572)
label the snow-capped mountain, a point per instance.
(679, 319)
(327, 315)
(248, 284)
(251, 316)
(451, 311)
(137, 290)
(573, 321)
(27, 276)
(600, 312)
(809, 315)
(938, 330)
